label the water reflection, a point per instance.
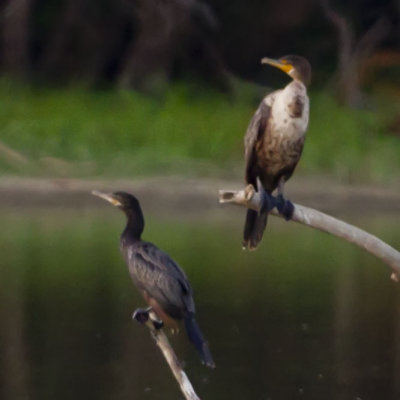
(306, 316)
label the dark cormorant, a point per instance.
(274, 143)
(161, 281)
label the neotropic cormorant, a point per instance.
(161, 281)
(274, 143)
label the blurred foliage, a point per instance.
(353, 144)
(188, 130)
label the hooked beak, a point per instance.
(285, 67)
(107, 196)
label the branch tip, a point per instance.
(226, 196)
(395, 277)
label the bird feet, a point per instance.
(142, 315)
(268, 202)
(285, 207)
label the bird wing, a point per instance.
(255, 130)
(161, 277)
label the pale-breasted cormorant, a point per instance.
(161, 281)
(274, 143)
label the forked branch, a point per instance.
(318, 220)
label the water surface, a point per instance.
(305, 316)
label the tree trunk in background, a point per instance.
(151, 52)
(348, 87)
(352, 55)
(15, 36)
(56, 51)
(172, 34)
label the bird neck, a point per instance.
(296, 82)
(134, 226)
(295, 88)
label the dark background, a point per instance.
(127, 43)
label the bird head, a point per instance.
(295, 66)
(122, 200)
(131, 207)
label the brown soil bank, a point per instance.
(191, 195)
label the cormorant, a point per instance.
(274, 143)
(160, 280)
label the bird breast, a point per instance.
(285, 131)
(289, 112)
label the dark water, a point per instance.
(307, 316)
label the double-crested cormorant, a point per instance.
(274, 143)
(161, 281)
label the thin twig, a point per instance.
(318, 220)
(150, 319)
(13, 157)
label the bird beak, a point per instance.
(107, 196)
(285, 67)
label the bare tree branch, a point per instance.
(149, 319)
(13, 157)
(353, 54)
(318, 220)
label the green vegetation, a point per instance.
(78, 132)
(355, 145)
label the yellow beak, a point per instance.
(109, 197)
(285, 67)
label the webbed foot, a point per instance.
(285, 207)
(142, 315)
(158, 324)
(267, 202)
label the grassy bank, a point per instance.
(80, 132)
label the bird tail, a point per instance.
(254, 228)
(195, 336)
